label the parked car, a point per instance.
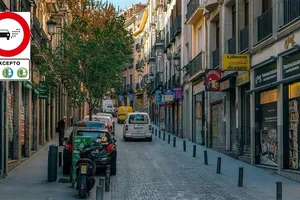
(68, 147)
(137, 126)
(122, 112)
(109, 115)
(108, 120)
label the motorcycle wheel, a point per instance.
(82, 187)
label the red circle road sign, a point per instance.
(26, 30)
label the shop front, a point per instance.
(266, 137)
(198, 119)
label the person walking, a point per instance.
(61, 125)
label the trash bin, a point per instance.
(52, 163)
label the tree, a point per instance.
(92, 53)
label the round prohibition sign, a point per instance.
(26, 30)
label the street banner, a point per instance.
(79, 143)
(158, 97)
(236, 62)
(211, 79)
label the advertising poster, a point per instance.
(211, 79)
(268, 134)
(79, 143)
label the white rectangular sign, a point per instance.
(14, 70)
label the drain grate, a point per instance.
(64, 180)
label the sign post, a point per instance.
(15, 46)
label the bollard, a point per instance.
(174, 141)
(52, 163)
(169, 138)
(219, 165)
(102, 181)
(155, 132)
(241, 176)
(194, 150)
(184, 145)
(60, 159)
(99, 192)
(278, 190)
(164, 136)
(159, 133)
(205, 157)
(107, 178)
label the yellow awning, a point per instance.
(142, 26)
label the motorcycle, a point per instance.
(85, 171)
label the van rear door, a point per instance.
(138, 124)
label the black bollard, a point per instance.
(52, 163)
(159, 133)
(219, 165)
(174, 141)
(241, 176)
(99, 192)
(169, 138)
(205, 157)
(278, 190)
(184, 145)
(194, 150)
(155, 132)
(102, 181)
(60, 159)
(164, 136)
(107, 178)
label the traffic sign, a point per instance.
(15, 45)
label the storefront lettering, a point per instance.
(291, 65)
(266, 74)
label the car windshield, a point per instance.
(94, 135)
(138, 119)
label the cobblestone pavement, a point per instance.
(154, 171)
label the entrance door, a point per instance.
(217, 125)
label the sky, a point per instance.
(126, 3)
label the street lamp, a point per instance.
(51, 25)
(176, 59)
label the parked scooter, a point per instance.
(85, 170)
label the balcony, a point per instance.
(177, 25)
(264, 25)
(138, 47)
(195, 9)
(196, 65)
(231, 45)
(216, 58)
(159, 79)
(244, 38)
(172, 36)
(139, 65)
(26, 6)
(291, 10)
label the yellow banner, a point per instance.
(242, 79)
(236, 62)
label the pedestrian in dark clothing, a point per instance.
(61, 125)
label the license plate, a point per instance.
(83, 169)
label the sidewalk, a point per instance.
(257, 181)
(28, 181)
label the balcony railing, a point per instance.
(159, 78)
(244, 38)
(291, 10)
(177, 25)
(172, 36)
(138, 47)
(192, 6)
(216, 58)
(196, 64)
(26, 6)
(231, 45)
(139, 65)
(264, 24)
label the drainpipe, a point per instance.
(207, 96)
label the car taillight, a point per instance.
(126, 127)
(69, 147)
(150, 128)
(110, 148)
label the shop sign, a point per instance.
(198, 88)
(27, 84)
(236, 62)
(178, 93)
(291, 65)
(158, 96)
(169, 95)
(43, 91)
(242, 79)
(211, 79)
(265, 75)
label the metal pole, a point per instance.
(107, 178)
(194, 150)
(241, 176)
(99, 192)
(60, 159)
(169, 138)
(174, 141)
(205, 157)
(184, 145)
(219, 165)
(159, 133)
(164, 136)
(278, 190)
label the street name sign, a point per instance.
(15, 46)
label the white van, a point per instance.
(137, 126)
(107, 106)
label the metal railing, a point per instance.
(216, 58)
(244, 38)
(264, 24)
(192, 6)
(177, 25)
(291, 10)
(172, 36)
(168, 44)
(26, 6)
(231, 45)
(159, 79)
(196, 64)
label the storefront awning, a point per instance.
(232, 75)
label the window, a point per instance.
(266, 4)
(138, 119)
(233, 20)
(217, 34)
(246, 12)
